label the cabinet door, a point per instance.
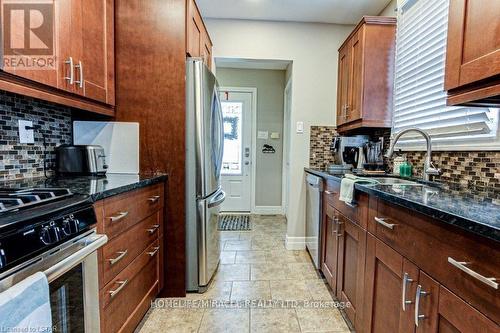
(453, 315)
(93, 50)
(330, 247)
(353, 110)
(194, 31)
(343, 84)
(351, 265)
(207, 50)
(473, 49)
(387, 289)
(426, 300)
(34, 58)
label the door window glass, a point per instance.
(233, 155)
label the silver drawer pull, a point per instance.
(118, 217)
(406, 281)
(330, 192)
(419, 294)
(115, 292)
(382, 222)
(80, 68)
(461, 265)
(154, 199)
(121, 255)
(155, 250)
(153, 229)
(352, 205)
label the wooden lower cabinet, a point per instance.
(130, 264)
(330, 245)
(351, 267)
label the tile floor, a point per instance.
(259, 287)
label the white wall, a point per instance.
(313, 50)
(270, 86)
(390, 9)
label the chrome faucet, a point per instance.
(429, 168)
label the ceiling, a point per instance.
(321, 11)
(251, 63)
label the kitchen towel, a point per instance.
(347, 186)
(25, 307)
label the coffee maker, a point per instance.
(347, 152)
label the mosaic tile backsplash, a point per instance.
(479, 169)
(26, 160)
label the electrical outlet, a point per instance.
(26, 136)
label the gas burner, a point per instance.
(14, 199)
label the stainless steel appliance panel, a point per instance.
(313, 217)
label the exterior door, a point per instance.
(236, 174)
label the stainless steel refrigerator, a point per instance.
(204, 149)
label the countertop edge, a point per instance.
(129, 187)
(478, 228)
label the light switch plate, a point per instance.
(26, 136)
(300, 127)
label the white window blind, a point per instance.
(420, 99)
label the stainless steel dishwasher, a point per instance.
(313, 217)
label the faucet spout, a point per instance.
(429, 169)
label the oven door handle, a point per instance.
(92, 243)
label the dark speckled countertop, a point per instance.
(472, 210)
(96, 188)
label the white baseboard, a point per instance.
(268, 210)
(295, 243)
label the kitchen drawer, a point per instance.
(439, 250)
(121, 250)
(120, 298)
(357, 212)
(331, 191)
(124, 210)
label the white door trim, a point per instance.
(287, 128)
(253, 91)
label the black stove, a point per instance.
(34, 220)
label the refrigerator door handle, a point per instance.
(217, 200)
(221, 131)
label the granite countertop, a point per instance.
(472, 210)
(96, 187)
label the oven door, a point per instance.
(71, 270)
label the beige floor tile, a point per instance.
(250, 257)
(225, 320)
(273, 321)
(218, 290)
(229, 235)
(234, 272)
(269, 272)
(321, 320)
(304, 271)
(250, 290)
(246, 235)
(290, 290)
(227, 257)
(266, 244)
(237, 245)
(319, 290)
(171, 320)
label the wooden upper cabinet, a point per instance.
(198, 42)
(473, 53)
(365, 78)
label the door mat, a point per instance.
(234, 223)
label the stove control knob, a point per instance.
(3, 259)
(49, 235)
(70, 226)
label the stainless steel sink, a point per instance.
(396, 181)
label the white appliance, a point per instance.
(204, 150)
(313, 217)
(120, 141)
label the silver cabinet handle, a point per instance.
(419, 294)
(80, 67)
(406, 281)
(118, 217)
(329, 192)
(352, 205)
(115, 292)
(335, 230)
(462, 265)
(382, 222)
(153, 229)
(71, 77)
(121, 255)
(154, 199)
(155, 250)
